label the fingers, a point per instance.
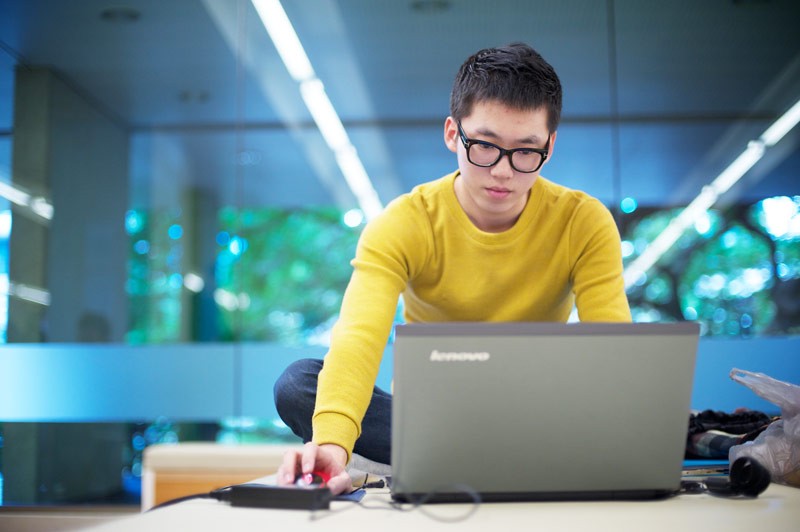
(309, 458)
(336, 456)
(289, 468)
(340, 483)
(297, 463)
(327, 459)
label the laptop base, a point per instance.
(466, 497)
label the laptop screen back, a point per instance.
(525, 411)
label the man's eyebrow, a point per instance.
(486, 132)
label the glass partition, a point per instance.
(170, 192)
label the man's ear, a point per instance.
(552, 143)
(451, 139)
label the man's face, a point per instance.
(494, 197)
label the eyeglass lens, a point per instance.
(488, 155)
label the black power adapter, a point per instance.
(311, 497)
(288, 498)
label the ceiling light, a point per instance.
(294, 57)
(14, 195)
(698, 208)
(287, 42)
(323, 113)
(38, 205)
(782, 126)
(29, 293)
(41, 207)
(357, 179)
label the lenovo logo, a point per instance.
(438, 356)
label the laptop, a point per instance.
(540, 411)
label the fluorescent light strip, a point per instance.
(699, 206)
(335, 136)
(41, 207)
(38, 205)
(282, 33)
(358, 181)
(324, 115)
(14, 195)
(29, 293)
(289, 47)
(782, 126)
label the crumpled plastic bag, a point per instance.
(778, 447)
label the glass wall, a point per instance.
(168, 189)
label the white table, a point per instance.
(776, 509)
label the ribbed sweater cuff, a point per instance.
(330, 427)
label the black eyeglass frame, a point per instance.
(468, 143)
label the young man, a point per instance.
(492, 241)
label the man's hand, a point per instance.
(328, 459)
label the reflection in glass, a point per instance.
(737, 272)
(279, 275)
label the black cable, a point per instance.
(224, 495)
(221, 494)
(421, 503)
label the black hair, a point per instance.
(515, 75)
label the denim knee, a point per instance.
(295, 378)
(296, 389)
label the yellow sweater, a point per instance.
(563, 250)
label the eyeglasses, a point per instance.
(485, 154)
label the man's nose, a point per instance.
(503, 168)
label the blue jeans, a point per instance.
(296, 393)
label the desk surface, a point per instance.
(778, 508)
